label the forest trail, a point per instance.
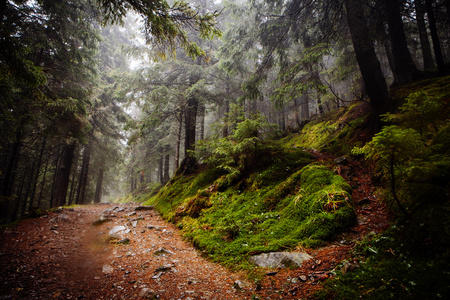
(62, 255)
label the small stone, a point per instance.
(294, 280)
(240, 285)
(147, 293)
(107, 269)
(302, 277)
(162, 251)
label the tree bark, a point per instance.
(428, 63)
(404, 68)
(178, 144)
(63, 175)
(98, 187)
(27, 193)
(166, 163)
(36, 176)
(44, 176)
(190, 124)
(370, 68)
(435, 38)
(160, 170)
(10, 173)
(82, 183)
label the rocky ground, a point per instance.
(74, 253)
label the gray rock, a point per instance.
(107, 269)
(147, 293)
(162, 251)
(280, 259)
(241, 285)
(118, 232)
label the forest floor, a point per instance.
(62, 255)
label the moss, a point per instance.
(231, 225)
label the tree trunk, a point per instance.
(36, 176)
(10, 173)
(44, 176)
(73, 184)
(423, 36)
(178, 144)
(166, 164)
(82, 183)
(160, 170)
(55, 175)
(404, 68)
(435, 38)
(63, 175)
(226, 120)
(369, 65)
(202, 113)
(98, 187)
(305, 107)
(27, 193)
(190, 124)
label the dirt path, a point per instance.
(62, 256)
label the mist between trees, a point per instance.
(78, 125)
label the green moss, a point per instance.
(231, 225)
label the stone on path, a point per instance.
(107, 269)
(147, 293)
(280, 259)
(117, 232)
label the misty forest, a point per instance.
(224, 149)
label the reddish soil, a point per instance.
(63, 256)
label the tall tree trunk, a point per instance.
(226, 117)
(73, 182)
(82, 183)
(304, 104)
(166, 164)
(423, 35)
(98, 187)
(44, 176)
(28, 191)
(10, 173)
(404, 68)
(178, 143)
(55, 175)
(160, 170)
(369, 65)
(202, 113)
(190, 124)
(63, 176)
(435, 38)
(36, 176)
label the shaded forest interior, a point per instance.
(188, 106)
(78, 124)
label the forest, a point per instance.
(197, 107)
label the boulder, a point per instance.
(280, 259)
